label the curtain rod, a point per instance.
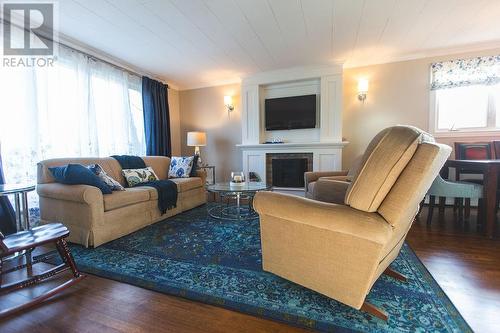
(85, 53)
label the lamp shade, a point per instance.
(196, 139)
(363, 86)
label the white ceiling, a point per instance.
(194, 43)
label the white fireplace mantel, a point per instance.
(292, 145)
(327, 156)
(324, 141)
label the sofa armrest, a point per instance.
(337, 218)
(203, 175)
(313, 176)
(76, 193)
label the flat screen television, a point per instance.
(287, 113)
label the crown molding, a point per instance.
(333, 67)
(211, 84)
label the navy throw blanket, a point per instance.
(130, 162)
(167, 189)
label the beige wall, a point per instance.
(175, 121)
(203, 110)
(398, 94)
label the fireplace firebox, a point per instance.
(287, 170)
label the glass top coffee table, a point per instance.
(236, 200)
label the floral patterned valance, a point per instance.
(465, 72)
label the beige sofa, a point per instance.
(340, 250)
(94, 218)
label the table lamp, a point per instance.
(197, 140)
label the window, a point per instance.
(468, 108)
(466, 95)
(79, 107)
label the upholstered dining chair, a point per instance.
(453, 189)
(53, 233)
(496, 149)
(340, 250)
(469, 151)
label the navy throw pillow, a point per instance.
(77, 174)
(195, 166)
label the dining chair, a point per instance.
(496, 149)
(53, 233)
(453, 189)
(469, 151)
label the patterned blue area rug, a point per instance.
(219, 262)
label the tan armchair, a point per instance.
(340, 250)
(329, 186)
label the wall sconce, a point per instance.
(228, 102)
(362, 89)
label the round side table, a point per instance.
(20, 192)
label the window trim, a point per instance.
(463, 132)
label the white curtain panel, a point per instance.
(79, 107)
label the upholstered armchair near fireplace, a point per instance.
(340, 250)
(329, 186)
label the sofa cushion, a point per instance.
(186, 184)
(383, 161)
(126, 198)
(183, 185)
(160, 165)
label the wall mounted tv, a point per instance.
(287, 113)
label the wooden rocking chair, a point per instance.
(27, 241)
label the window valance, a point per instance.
(465, 72)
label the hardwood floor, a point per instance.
(467, 267)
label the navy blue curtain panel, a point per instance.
(156, 117)
(7, 217)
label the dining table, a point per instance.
(489, 169)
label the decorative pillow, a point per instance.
(195, 166)
(138, 176)
(77, 174)
(99, 172)
(180, 167)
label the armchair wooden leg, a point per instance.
(460, 209)
(442, 206)
(467, 208)
(395, 274)
(374, 311)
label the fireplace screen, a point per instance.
(289, 172)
